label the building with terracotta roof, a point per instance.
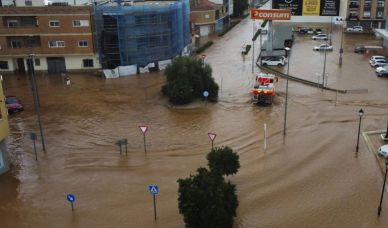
(208, 17)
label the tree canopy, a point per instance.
(187, 79)
(206, 200)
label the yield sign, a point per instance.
(212, 136)
(143, 129)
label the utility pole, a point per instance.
(36, 98)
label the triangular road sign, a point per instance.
(212, 136)
(143, 129)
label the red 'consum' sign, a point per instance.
(271, 14)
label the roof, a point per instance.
(202, 5)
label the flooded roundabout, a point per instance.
(311, 177)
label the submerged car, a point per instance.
(13, 104)
(379, 62)
(383, 151)
(323, 47)
(320, 37)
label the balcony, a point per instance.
(352, 18)
(354, 6)
(19, 42)
(19, 22)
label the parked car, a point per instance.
(383, 151)
(359, 49)
(377, 57)
(323, 47)
(319, 37)
(318, 31)
(13, 104)
(382, 74)
(382, 69)
(356, 28)
(379, 62)
(274, 61)
(302, 31)
(310, 31)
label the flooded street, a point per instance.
(309, 178)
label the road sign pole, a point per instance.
(212, 145)
(36, 154)
(154, 207)
(120, 148)
(265, 136)
(145, 145)
(126, 149)
(72, 206)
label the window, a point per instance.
(380, 14)
(15, 44)
(54, 23)
(380, 3)
(88, 62)
(82, 43)
(367, 14)
(4, 65)
(28, 2)
(12, 23)
(81, 23)
(56, 44)
(37, 62)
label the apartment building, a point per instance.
(370, 14)
(4, 132)
(60, 37)
(141, 33)
(207, 17)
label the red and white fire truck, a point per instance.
(264, 90)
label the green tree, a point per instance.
(207, 201)
(187, 78)
(223, 161)
(239, 6)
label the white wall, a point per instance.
(76, 63)
(34, 3)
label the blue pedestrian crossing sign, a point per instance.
(153, 189)
(70, 198)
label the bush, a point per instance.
(205, 199)
(187, 78)
(204, 47)
(223, 161)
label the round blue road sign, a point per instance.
(70, 198)
(205, 93)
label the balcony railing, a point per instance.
(354, 6)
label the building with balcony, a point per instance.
(367, 13)
(208, 17)
(61, 37)
(141, 33)
(4, 132)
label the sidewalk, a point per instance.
(373, 141)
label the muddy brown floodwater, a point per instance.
(309, 178)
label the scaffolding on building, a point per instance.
(139, 33)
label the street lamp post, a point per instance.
(324, 69)
(360, 114)
(285, 104)
(382, 191)
(341, 51)
(331, 29)
(36, 98)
